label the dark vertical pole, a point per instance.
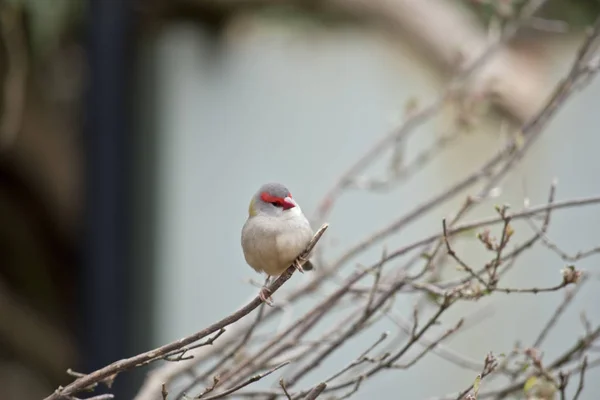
(106, 279)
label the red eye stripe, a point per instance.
(276, 201)
(266, 197)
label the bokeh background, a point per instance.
(133, 134)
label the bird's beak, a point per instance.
(289, 203)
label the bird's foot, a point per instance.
(265, 296)
(298, 262)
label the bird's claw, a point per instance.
(265, 295)
(298, 262)
(298, 266)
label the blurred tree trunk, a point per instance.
(40, 204)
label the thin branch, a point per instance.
(208, 389)
(350, 332)
(584, 365)
(494, 220)
(567, 356)
(564, 255)
(248, 382)
(431, 345)
(569, 296)
(227, 357)
(106, 396)
(355, 388)
(179, 355)
(128, 363)
(507, 232)
(360, 359)
(305, 323)
(313, 394)
(398, 174)
(490, 364)
(452, 254)
(282, 384)
(376, 281)
(439, 350)
(164, 392)
(389, 361)
(533, 290)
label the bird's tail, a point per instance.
(308, 266)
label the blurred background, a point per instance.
(133, 133)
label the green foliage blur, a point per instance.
(576, 13)
(47, 21)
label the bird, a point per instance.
(275, 234)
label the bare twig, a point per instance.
(355, 388)
(452, 254)
(563, 359)
(248, 382)
(142, 358)
(313, 394)
(399, 174)
(227, 357)
(439, 350)
(489, 366)
(533, 290)
(584, 365)
(179, 355)
(559, 311)
(493, 220)
(282, 384)
(360, 359)
(106, 396)
(564, 255)
(209, 389)
(429, 347)
(376, 281)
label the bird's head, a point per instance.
(272, 199)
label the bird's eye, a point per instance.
(276, 203)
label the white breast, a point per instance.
(272, 244)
